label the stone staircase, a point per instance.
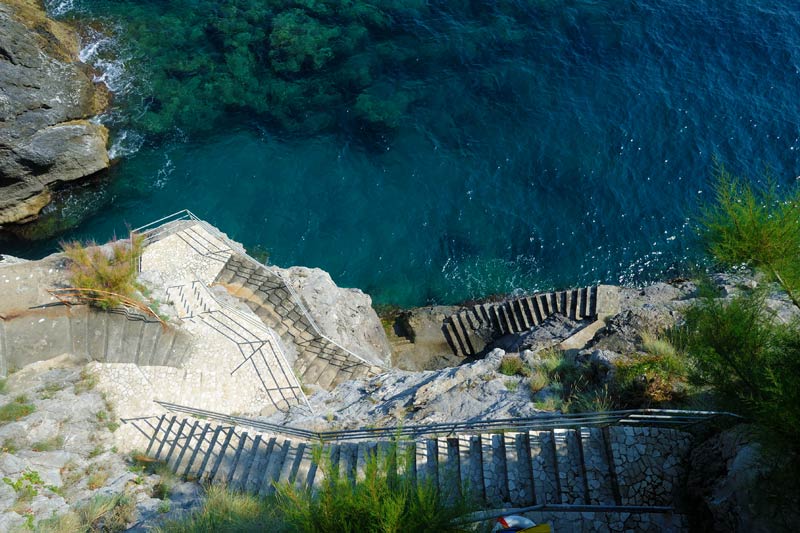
(572, 466)
(113, 336)
(319, 360)
(260, 349)
(469, 331)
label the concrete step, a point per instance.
(274, 465)
(269, 444)
(471, 467)
(518, 468)
(596, 467)
(544, 467)
(449, 472)
(495, 477)
(192, 432)
(228, 440)
(208, 453)
(569, 456)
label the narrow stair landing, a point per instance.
(319, 359)
(260, 349)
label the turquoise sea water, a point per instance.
(572, 148)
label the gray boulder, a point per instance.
(46, 97)
(345, 316)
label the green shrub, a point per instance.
(759, 228)
(512, 365)
(379, 502)
(110, 270)
(752, 363)
(657, 378)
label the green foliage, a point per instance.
(512, 365)
(759, 228)
(48, 445)
(15, 410)
(378, 502)
(302, 67)
(3, 385)
(752, 362)
(109, 269)
(97, 479)
(87, 382)
(49, 391)
(29, 480)
(103, 512)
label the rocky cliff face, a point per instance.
(46, 99)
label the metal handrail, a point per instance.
(632, 417)
(273, 340)
(185, 214)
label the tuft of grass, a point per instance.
(511, 385)
(538, 380)
(106, 512)
(17, 409)
(109, 270)
(11, 446)
(97, 450)
(164, 507)
(3, 385)
(598, 400)
(87, 382)
(66, 523)
(512, 365)
(49, 391)
(657, 346)
(97, 479)
(48, 445)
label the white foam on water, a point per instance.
(125, 143)
(58, 8)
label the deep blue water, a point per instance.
(576, 158)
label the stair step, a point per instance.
(544, 467)
(258, 470)
(570, 469)
(274, 465)
(249, 457)
(495, 478)
(201, 439)
(598, 474)
(471, 466)
(518, 467)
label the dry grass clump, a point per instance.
(109, 270)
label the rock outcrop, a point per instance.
(46, 99)
(344, 315)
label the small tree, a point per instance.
(755, 227)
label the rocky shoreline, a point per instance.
(424, 385)
(48, 103)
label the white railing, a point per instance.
(158, 229)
